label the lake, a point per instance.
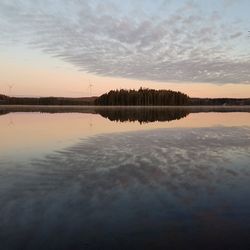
(124, 178)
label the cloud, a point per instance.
(185, 44)
(237, 34)
(229, 3)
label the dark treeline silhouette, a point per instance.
(3, 98)
(219, 101)
(151, 97)
(142, 97)
(46, 100)
(143, 115)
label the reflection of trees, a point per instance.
(46, 109)
(4, 112)
(143, 114)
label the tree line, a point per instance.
(5, 100)
(142, 97)
(219, 101)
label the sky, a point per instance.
(61, 47)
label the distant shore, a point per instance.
(91, 101)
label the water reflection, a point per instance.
(143, 115)
(161, 189)
(28, 132)
(123, 114)
(4, 112)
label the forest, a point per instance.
(142, 97)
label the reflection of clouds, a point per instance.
(172, 153)
(128, 182)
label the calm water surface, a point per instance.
(124, 178)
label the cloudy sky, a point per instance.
(59, 47)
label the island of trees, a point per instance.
(142, 97)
